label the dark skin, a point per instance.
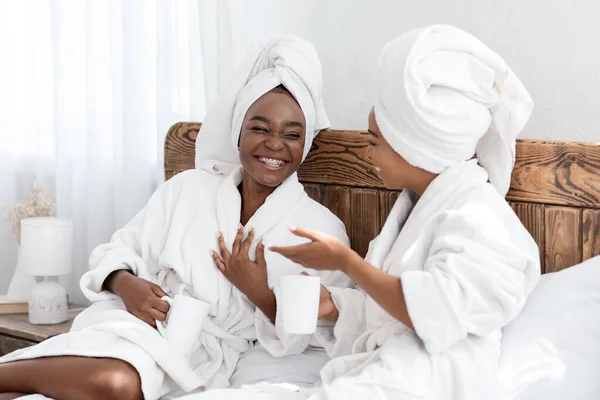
(274, 127)
(70, 378)
(141, 297)
(325, 252)
(278, 134)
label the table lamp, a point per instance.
(46, 250)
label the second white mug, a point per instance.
(300, 295)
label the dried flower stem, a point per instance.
(36, 204)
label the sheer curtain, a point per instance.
(88, 90)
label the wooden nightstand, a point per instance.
(16, 332)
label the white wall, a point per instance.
(553, 45)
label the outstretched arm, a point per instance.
(326, 252)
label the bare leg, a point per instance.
(11, 396)
(72, 378)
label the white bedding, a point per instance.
(298, 369)
(577, 289)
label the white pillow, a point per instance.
(551, 351)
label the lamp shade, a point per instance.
(46, 246)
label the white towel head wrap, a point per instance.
(443, 96)
(286, 60)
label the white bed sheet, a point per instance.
(258, 366)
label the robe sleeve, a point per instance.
(129, 247)
(476, 278)
(272, 336)
(351, 323)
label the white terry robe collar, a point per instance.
(408, 215)
(277, 205)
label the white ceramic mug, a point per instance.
(300, 295)
(184, 322)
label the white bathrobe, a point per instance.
(465, 261)
(168, 243)
(466, 265)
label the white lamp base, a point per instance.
(48, 304)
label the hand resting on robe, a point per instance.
(141, 297)
(249, 277)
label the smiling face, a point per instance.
(272, 138)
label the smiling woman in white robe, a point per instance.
(254, 139)
(453, 264)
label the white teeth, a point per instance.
(272, 162)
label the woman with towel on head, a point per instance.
(245, 188)
(453, 264)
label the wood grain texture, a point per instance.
(591, 233)
(559, 173)
(387, 199)
(562, 173)
(366, 219)
(533, 218)
(562, 238)
(180, 148)
(337, 199)
(339, 157)
(17, 325)
(8, 344)
(314, 191)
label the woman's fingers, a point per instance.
(289, 252)
(160, 305)
(223, 249)
(260, 254)
(305, 233)
(292, 252)
(147, 319)
(237, 243)
(157, 315)
(247, 243)
(218, 262)
(286, 251)
(158, 291)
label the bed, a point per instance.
(555, 191)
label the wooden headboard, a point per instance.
(555, 189)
